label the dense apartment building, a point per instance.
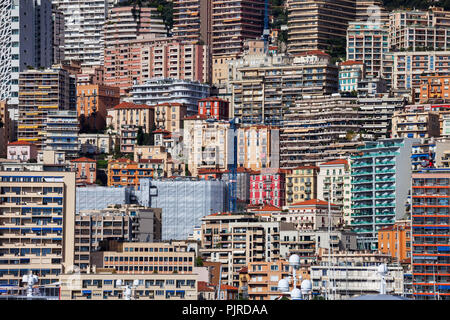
(86, 170)
(233, 22)
(58, 34)
(124, 172)
(105, 286)
(130, 114)
(169, 116)
(61, 133)
(371, 10)
(26, 28)
(175, 60)
(334, 185)
(264, 92)
(40, 92)
(434, 88)
(258, 147)
(21, 150)
(6, 127)
(351, 279)
(94, 100)
(137, 61)
(237, 240)
(127, 23)
(145, 257)
(376, 113)
(214, 107)
(192, 21)
(268, 186)
(415, 124)
(163, 90)
(206, 143)
(37, 216)
(264, 277)
(95, 143)
(368, 42)
(395, 240)
(380, 173)
(430, 230)
(319, 129)
(312, 24)
(301, 184)
(84, 22)
(410, 66)
(125, 222)
(351, 73)
(419, 30)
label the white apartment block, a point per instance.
(206, 144)
(368, 42)
(416, 30)
(25, 41)
(410, 66)
(334, 183)
(84, 33)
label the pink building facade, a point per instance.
(134, 62)
(21, 150)
(86, 170)
(268, 187)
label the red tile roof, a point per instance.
(305, 167)
(83, 159)
(227, 287)
(337, 161)
(203, 286)
(313, 52)
(268, 207)
(20, 143)
(161, 131)
(350, 62)
(312, 202)
(171, 104)
(129, 105)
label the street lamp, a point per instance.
(127, 289)
(296, 293)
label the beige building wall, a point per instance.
(205, 144)
(103, 285)
(131, 114)
(301, 184)
(169, 116)
(51, 247)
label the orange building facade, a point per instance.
(434, 88)
(86, 170)
(124, 172)
(396, 241)
(96, 98)
(263, 279)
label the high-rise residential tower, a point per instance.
(312, 24)
(84, 34)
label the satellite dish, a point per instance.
(119, 283)
(294, 261)
(135, 282)
(25, 278)
(296, 294)
(283, 285)
(306, 286)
